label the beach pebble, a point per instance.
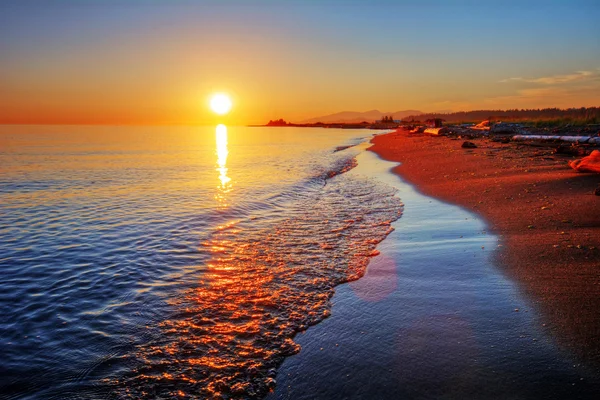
(468, 145)
(374, 253)
(270, 382)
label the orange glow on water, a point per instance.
(257, 286)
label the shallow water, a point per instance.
(152, 262)
(433, 318)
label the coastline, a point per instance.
(546, 216)
(431, 318)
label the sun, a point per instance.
(220, 103)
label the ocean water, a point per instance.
(153, 262)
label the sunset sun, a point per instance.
(220, 103)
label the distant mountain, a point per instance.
(356, 117)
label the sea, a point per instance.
(163, 262)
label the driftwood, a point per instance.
(590, 163)
(482, 126)
(571, 139)
(436, 131)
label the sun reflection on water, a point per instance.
(232, 328)
(222, 151)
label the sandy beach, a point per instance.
(546, 215)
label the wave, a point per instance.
(233, 328)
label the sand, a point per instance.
(546, 215)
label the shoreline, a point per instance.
(545, 214)
(431, 318)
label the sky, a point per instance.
(158, 62)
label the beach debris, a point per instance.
(436, 131)
(502, 128)
(468, 145)
(417, 129)
(482, 126)
(590, 163)
(572, 139)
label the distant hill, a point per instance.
(353, 117)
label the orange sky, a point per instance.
(158, 62)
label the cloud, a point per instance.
(550, 96)
(558, 79)
(512, 80)
(577, 89)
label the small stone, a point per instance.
(468, 145)
(270, 382)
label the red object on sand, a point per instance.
(590, 163)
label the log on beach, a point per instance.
(570, 139)
(436, 131)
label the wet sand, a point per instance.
(546, 215)
(434, 317)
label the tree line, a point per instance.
(583, 115)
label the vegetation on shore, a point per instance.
(539, 118)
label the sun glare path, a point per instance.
(220, 103)
(222, 153)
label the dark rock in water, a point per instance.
(468, 145)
